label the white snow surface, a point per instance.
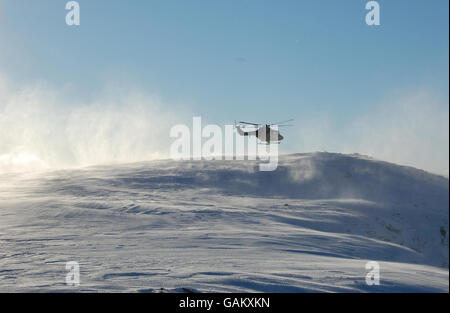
(224, 226)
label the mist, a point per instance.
(42, 128)
(408, 128)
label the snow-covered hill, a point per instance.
(311, 225)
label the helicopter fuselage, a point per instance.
(263, 133)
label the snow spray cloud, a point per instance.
(409, 128)
(42, 128)
(232, 147)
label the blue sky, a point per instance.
(246, 60)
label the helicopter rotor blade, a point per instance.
(280, 122)
(254, 124)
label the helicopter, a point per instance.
(264, 132)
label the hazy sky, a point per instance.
(380, 90)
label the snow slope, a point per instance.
(309, 226)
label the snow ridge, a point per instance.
(311, 225)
